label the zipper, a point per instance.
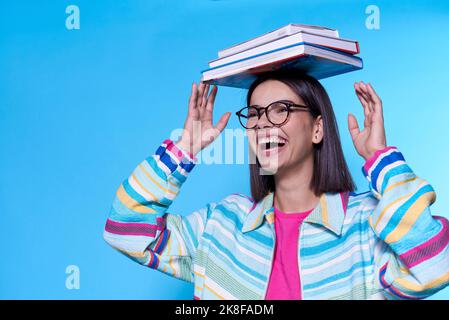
(272, 262)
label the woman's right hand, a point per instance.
(199, 131)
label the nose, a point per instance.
(263, 122)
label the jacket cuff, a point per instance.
(376, 168)
(173, 157)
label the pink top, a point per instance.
(284, 283)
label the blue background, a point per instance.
(79, 109)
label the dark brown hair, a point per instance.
(330, 171)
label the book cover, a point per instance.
(314, 66)
(343, 45)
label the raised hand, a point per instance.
(199, 131)
(372, 137)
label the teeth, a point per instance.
(272, 139)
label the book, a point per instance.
(345, 45)
(277, 34)
(314, 60)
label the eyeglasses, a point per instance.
(277, 113)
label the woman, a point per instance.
(304, 234)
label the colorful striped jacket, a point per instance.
(380, 244)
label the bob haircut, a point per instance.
(330, 171)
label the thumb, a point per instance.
(223, 121)
(353, 126)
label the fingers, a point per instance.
(362, 91)
(377, 101)
(204, 95)
(365, 94)
(373, 94)
(374, 101)
(201, 88)
(198, 98)
(208, 106)
(211, 99)
(353, 126)
(203, 101)
(364, 101)
(193, 97)
(222, 122)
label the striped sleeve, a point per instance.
(139, 225)
(414, 263)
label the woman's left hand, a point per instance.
(372, 137)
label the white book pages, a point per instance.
(277, 34)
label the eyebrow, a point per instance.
(283, 100)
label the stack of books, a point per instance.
(314, 50)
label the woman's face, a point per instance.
(296, 137)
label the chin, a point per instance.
(270, 166)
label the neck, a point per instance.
(293, 193)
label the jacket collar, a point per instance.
(329, 212)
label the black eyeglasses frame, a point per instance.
(289, 105)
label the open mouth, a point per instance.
(270, 146)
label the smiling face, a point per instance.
(291, 143)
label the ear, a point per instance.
(318, 132)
